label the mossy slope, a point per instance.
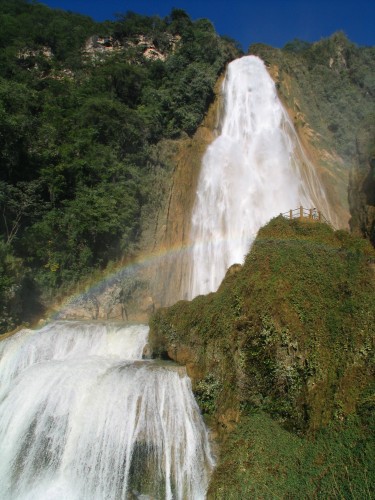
(262, 460)
(290, 333)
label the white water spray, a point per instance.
(83, 417)
(253, 171)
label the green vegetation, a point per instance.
(288, 334)
(332, 81)
(79, 132)
(261, 460)
(362, 182)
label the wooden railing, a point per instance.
(311, 214)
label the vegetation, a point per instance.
(259, 459)
(290, 335)
(362, 182)
(282, 354)
(78, 134)
(332, 81)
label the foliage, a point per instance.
(333, 83)
(78, 131)
(289, 333)
(262, 460)
(286, 344)
(10, 281)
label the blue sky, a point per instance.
(274, 22)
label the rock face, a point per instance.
(290, 332)
(125, 297)
(362, 183)
(98, 47)
(174, 223)
(43, 51)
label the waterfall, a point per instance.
(254, 170)
(82, 416)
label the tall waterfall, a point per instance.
(253, 171)
(83, 417)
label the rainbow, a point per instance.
(116, 273)
(95, 285)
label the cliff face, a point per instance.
(315, 85)
(320, 87)
(173, 225)
(98, 47)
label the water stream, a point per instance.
(254, 170)
(82, 416)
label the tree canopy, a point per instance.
(77, 128)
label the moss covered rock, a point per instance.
(289, 333)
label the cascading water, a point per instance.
(253, 171)
(82, 416)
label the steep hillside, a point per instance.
(362, 182)
(290, 333)
(91, 116)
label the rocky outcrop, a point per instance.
(124, 297)
(98, 47)
(43, 51)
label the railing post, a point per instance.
(290, 214)
(319, 215)
(301, 212)
(310, 213)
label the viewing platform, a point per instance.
(306, 214)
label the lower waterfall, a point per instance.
(82, 416)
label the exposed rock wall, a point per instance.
(98, 47)
(326, 89)
(173, 226)
(330, 167)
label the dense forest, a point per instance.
(82, 107)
